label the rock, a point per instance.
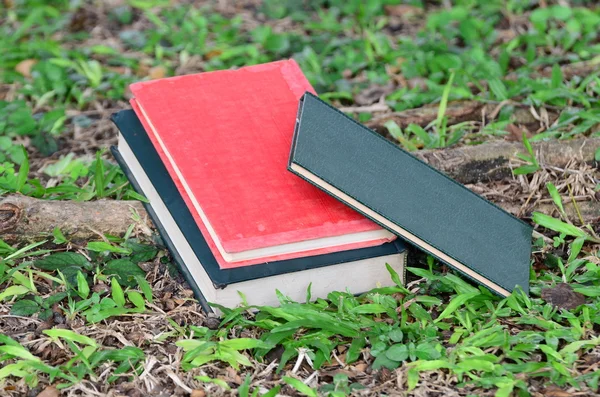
(212, 323)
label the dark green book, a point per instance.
(410, 198)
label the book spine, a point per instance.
(164, 235)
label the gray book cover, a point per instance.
(410, 198)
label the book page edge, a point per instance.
(397, 229)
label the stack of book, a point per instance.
(256, 184)
(210, 153)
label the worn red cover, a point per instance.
(225, 138)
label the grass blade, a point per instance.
(70, 336)
(556, 197)
(444, 104)
(23, 171)
(99, 176)
(301, 387)
(558, 225)
(455, 303)
(117, 292)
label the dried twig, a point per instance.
(491, 161)
(458, 112)
(24, 219)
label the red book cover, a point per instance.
(225, 138)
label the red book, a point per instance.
(225, 139)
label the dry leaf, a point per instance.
(563, 296)
(24, 67)
(403, 10)
(372, 94)
(187, 293)
(362, 367)
(119, 69)
(169, 304)
(505, 35)
(213, 53)
(417, 82)
(157, 72)
(233, 376)
(142, 69)
(554, 391)
(515, 133)
(334, 372)
(383, 375)
(545, 117)
(49, 391)
(83, 19)
(197, 393)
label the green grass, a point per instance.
(441, 325)
(444, 324)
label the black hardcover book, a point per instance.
(358, 270)
(410, 198)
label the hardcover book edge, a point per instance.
(164, 235)
(297, 168)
